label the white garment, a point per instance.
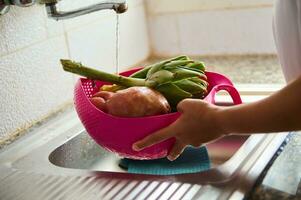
(287, 34)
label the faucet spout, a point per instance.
(117, 6)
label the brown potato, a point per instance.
(137, 102)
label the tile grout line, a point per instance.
(160, 13)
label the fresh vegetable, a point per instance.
(175, 78)
(131, 102)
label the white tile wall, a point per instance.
(134, 39)
(23, 27)
(227, 32)
(164, 31)
(32, 83)
(94, 44)
(238, 31)
(93, 17)
(53, 27)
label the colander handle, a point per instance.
(229, 88)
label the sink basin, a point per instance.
(58, 160)
(81, 152)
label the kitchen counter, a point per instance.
(281, 178)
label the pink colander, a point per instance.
(117, 134)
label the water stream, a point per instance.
(117, 44)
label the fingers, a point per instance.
(188, 104)
(181, 106)
(104, 94)
(99, 102)
(154, 138)
(176, 150)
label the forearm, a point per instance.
(279, 112)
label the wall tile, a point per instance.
(93, 17)
(22, 27)
(95, 44)
(133, 3)
(164, 35)
(54, 28)
(134, 39)
(33, 84)
(227, 32)
(79, 22)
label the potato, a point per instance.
(137, 102)
(131, 102)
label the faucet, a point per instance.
(119, 6)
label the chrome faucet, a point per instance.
(119, 6)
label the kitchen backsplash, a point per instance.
(205, 27)
(32, 83)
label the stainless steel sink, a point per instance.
(58, 160)
(81, 152)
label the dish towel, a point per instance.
(192, 160)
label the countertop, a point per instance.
(281, 178)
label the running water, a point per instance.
(117, 44)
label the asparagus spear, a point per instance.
(78, 68)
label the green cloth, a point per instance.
(192, 160)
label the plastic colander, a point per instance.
(117, 134)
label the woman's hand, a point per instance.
(202, 122)
(197, 125)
